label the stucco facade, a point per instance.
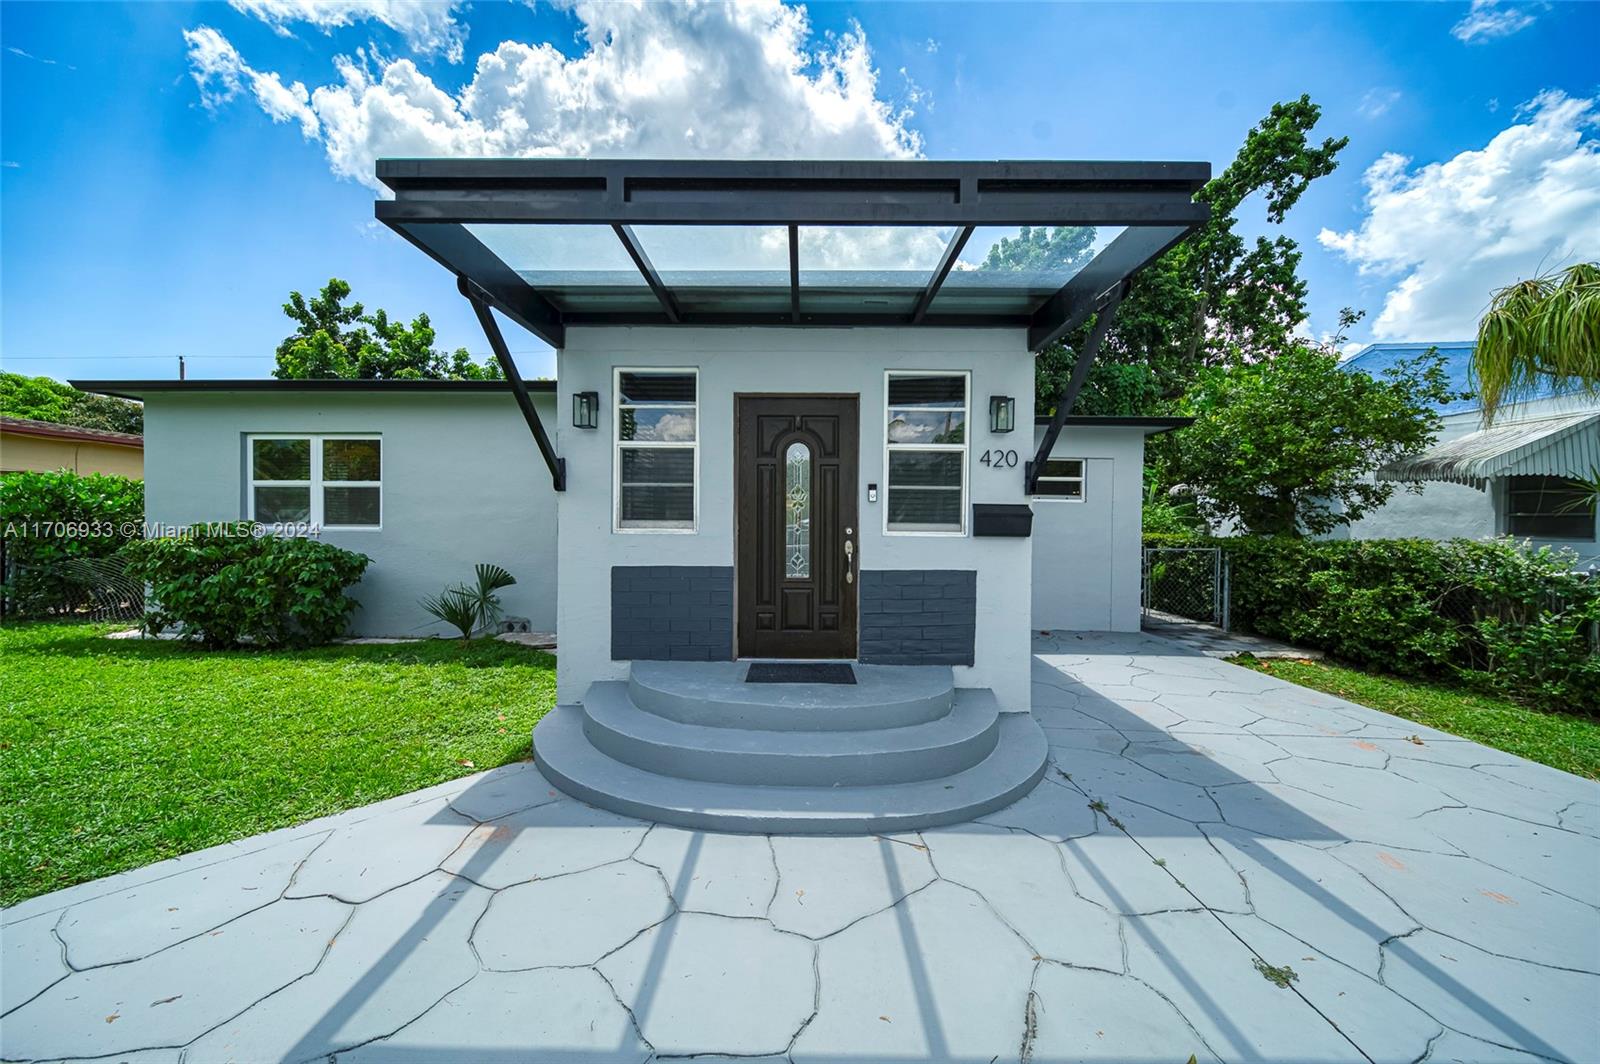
(1086, 552)
(1443, 510)
(28, 446)
(776, 360)
(462, 484)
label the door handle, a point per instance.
(849, 562)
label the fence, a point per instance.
(97, 589)
(1188, 582)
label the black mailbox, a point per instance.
(1002, 519)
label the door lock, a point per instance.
(849, 560)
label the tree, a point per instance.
(1290, 445)
(1038, 248)
(335, 339)
(43, 399)
(1212, 300)
(1543, 331)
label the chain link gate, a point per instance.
(1186, 582)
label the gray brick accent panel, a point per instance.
(671, 613)
(918, 616)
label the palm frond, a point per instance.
(492, 578)
(1540, 332)
(455, 606)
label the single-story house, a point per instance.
(27, 445)
(1511, 478)
(777, 504)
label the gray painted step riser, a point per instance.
(722, 708)
(777, 768)
(571, 763)
(768, 825)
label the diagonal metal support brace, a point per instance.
(491, 330)
(1105, 314)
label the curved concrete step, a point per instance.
(942, 747)
(567, 758)
(714, 695)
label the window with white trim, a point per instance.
(925, 452)
(657, 441)
(331, 482)
(1061, 478)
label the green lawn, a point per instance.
(1570, 742)
(117, 753)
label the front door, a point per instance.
(795, 482)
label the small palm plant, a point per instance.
(471, 609)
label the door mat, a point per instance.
(799, 672)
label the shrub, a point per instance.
(56, 526)
(1495, 614)
(226, 587)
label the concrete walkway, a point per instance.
(1218, 864)
(1213, 642)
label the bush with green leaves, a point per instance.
(226, 587)
(1496, 614)
(474, 608)
(57, 527)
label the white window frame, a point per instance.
(965, 447)
(1082, 480)
(316, 483)
(618, 444)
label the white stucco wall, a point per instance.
(766, 360)
(462, 483)
(1086, 554)
(1450, 511)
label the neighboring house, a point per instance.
(783, 428)
(44, 446)
(1513, 478)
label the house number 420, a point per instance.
(999, 459)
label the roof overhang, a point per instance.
(138, 389)
(1564, 445)
(47, 430)
(558, 242)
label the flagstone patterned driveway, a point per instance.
(1218, 864)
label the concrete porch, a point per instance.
(694, 744)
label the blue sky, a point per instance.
(171, 171)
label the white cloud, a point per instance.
(1375, 103)
(1489, 19)
(222, 74)
(30, 55)
(655, 80)
(428, 26)
(1452, 232)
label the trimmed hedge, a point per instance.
(228, 587)
(1495, 614)
(54, 525)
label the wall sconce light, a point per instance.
(1002, 413)
(586, 410)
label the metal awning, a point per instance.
(1563, 445)
(559, 242)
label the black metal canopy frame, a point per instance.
(455, 209)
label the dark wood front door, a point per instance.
(795, 482)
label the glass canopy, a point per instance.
(745, 268)
(558, 242)
(1001, 270)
